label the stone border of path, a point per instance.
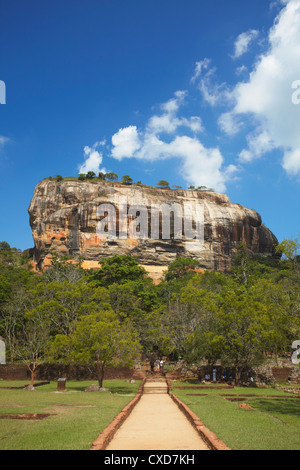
(208, 436)
(106, 436)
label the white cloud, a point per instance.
(243, 42)
(259, 143)
(199, 165)
(93, 160)
(199, 67)
(204, 77)
(169, 122)
(261, 105)
(291, 162)
(229, 123)
(173, 105)
(241, 70)
(266, 97)
(125, 142)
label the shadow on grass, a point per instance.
(112, 387)
(280, 405)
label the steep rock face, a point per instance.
(64, 219)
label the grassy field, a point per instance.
(77, 417)
(272, 423)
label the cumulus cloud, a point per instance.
(267, 94)
(291, 162)
(261, 105)
(169, 122)
(243, 42)
(125, 142)
(259, 143)
(267, 100)
(93, 159)
(200, 66)
(204, 77)
(242, 69)
(230, 123)
(199, 165)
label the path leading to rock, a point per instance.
(156, 423)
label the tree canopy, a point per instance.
(109, 315)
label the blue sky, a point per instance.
(194, 92)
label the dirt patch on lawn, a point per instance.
(234, 399)
(32, 416)
(75, 406)
(11, 405)
(197, 394)
(245, 406)
(22, 387)
(63, 408)
(258, 396)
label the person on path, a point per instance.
(152, 366)
(161, 366)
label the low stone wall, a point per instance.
(294, 377)
(14, 372)
(266, 374)
(71, 372)
(294, 390)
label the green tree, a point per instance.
(101, 176)
(242, 332)
(31, 346)
(64, 269)
(61, 304)
(99, 340)
(118, 269)
(163, 184)
(189, 311)
(12, 317)
(126, 179)
(290, 250)
(281, 301)
(181, 268)
(134, 301)
(90, 175)
(13, 257)
(111, 176)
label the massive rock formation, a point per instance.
(65, 218)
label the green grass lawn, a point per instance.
(273, 423)
(77, 417)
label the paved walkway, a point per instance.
(156, 423)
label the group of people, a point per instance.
(159, 365)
